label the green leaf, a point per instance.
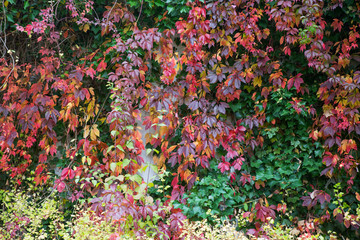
(126, 162)
(130, 144)
(154, 168)
(114, 133)
(120, 148)
(10, 18)
(137, 178)
(148, 151)
(109, 148)
(113, 166)
(26, 4)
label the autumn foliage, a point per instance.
(265, 91)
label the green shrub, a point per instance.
(222, 230)
(86, 225)
(30, 217)
(212, 193)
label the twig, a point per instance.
(108, 16)
(98, 114)
(5, 51)
(13, 62)
(142, 3)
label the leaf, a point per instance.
(86, 131)
(137, 178)
(114, 133)
(257, 81)
(90, 72)
(224, 166)
(130, 144)
(126, 162)
(61, 186)
(10, 18)
(357, 196)
(113, 166)
(154, 168)
(86, 27)
(246, 207)
(175, 181)
(102, 66)
(337, 24)
(94, 132)
(120, 148)
(26, 4)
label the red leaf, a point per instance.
(130, 198)
(42, 158)
(175, 181)
(224, 166)
(232, 178)
(64, 173)
(53, 150)
(347, 223)
(71, 174)
(90, 72)
(337, 25)
(238, 163)
(67, 173)
(102, 66)
(61, 186)
(39, 169)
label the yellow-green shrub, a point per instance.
(25, 217)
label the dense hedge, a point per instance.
(253, 105)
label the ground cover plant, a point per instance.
(249, 110)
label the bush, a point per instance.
(212, 193)
(221, 230)
(30, 216)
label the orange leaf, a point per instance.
(357, 196)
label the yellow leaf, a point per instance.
(96, 130)
(94, 133)
(257, 81)
(86, 27)
(6, 3)
(328, 110)
(86, 131)
(91, 105)
(102, 120)
(126, 29)
(163, 130)
(83, 159)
